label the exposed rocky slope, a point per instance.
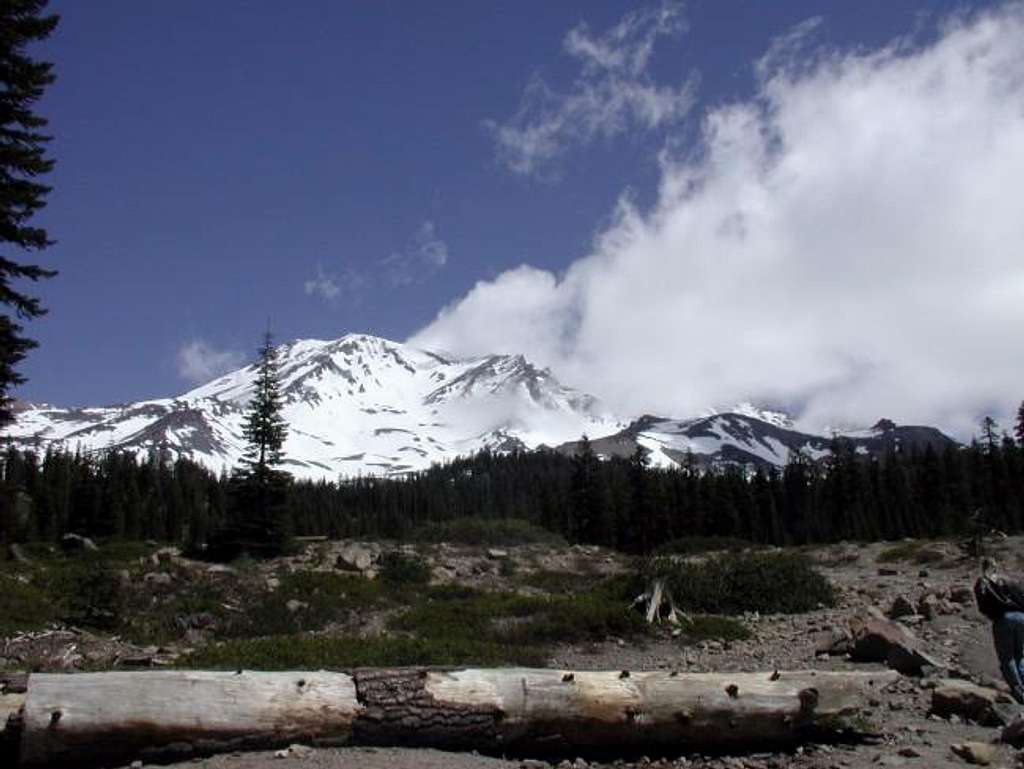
(925, 586)
(744, 439)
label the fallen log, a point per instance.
(106, 719)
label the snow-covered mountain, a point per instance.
(744, 439)
(355, 405)
(365, 405)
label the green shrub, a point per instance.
(464, 615)
(557, 582)
(337, 653)
(699, 545)
(324, 597)
(705, 627)
(527, 621)
(912, 552)
(584, 617)
(86, 591)
(23, 606)
(402, 569)
(770, 583)
(489, 532)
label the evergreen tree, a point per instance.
(22, 162)
(989, 435)
(640, 509)
(258, 490)
(1018, 431)
(589, 510)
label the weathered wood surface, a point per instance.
(105, 719)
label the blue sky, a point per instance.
(339, 166)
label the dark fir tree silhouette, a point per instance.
(1018, 431)
(588, 509)
(989, 434)
(259, 488)
(22, 162)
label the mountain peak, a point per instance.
(356, 404)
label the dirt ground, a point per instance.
(956, 636)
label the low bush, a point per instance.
(699, 545)
(403, 569)
(556, 582)
(585, 617)
(322, 598)
(23, 606)
(323, 652)
(489, 532)
(911, 552)
(706, 627)
(769, 583)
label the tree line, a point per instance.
(623, 503)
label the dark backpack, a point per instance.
(996, 596)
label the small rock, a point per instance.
(74, 542)
(496, 553)
(910, 752)
(220, 568)
(835, 641)
(887, 572)
(980, 753)
(18, 555)
(273, 583)
(966, 700)
(354, 557)
(928, 606)
(901, 607)
(1013, 733)
(158, 579)
(962, 595)
(877, 639)
(294, 605)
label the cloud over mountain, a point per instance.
(846, 243)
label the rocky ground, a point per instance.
(925, 586)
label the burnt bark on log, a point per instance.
(105, 719)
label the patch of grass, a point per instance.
(402, 569)
(149, 622)
(707, 627)
(335, 653)
(700, 545)
(770, 583)
(585, 617)
(521, 620)
(466, 615)
(490, 532)
(23, 606)
(556, 582)
(911, 552)
(325, 598)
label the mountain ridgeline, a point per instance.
(361, 405)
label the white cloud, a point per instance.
(426, 253)
(199, 362)
(329, 286)
(847, 244)
(612, 94)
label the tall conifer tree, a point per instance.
(22, 162)
(259, 487)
